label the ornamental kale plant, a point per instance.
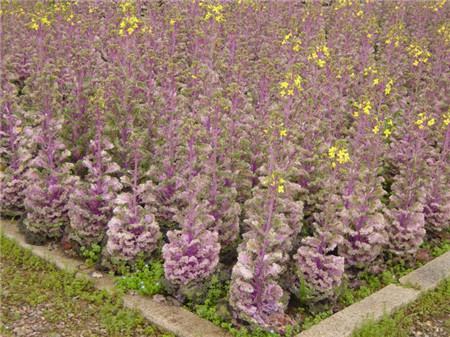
(192, 252)
(91, 202)
(15, 155)
(319, 272)
(363, 220)
(50, 180)
(255, 291)
(133, 230)
(437, 200)
(407, 202)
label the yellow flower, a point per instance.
(321, 63)
(367, 107)
(283, 133)
(431, 122)
(332, 152)
(45, 21)
(387, 133)
(376, 81)
(298, 82)
(34, 26)
(343, 156)
(290, 92)
(172, 22)
(286, 38)
(280, 189)
(388, 88)
(284, 85)
(376, 129)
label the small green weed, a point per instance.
(91, 254)
(146, 280)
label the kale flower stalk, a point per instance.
(406, 204)
(255, 293)
(364, 224)
(437, 200)
(133, 230)
(15, 156)
(51, 181)
(192, 252)
(91, 203)
(222, 194)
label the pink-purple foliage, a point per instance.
(317, 269)
(192, 252)
(91, 202)
(15, 155)
(50, 180)
(133, 230)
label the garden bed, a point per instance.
(263, 175)
(169, 316)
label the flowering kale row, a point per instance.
(285, 145)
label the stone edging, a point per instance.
(184, 323)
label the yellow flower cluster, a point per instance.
(295, 41)
(338, 153)
(275, 180)
(388, 127)
(388, 87)
(372, 71)
(62, 6)
(288, 86)
(39, 22)
(446, 120)
(396, 35)
(214, 12)
(365, 107)
(342, 3)
(419, 54)
(128, 24)
(127, 7)
(435, 6)
(320, 56)
(424, 120)
(444, 30)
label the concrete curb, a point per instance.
(184, 323)
(428, 276)
(176, 320)
(344, 322)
